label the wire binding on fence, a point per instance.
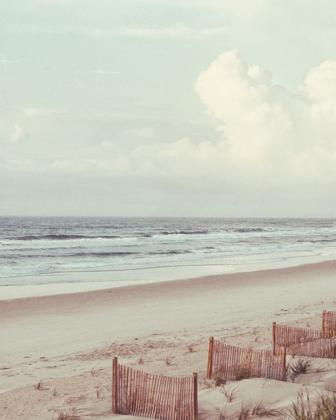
(146, 395)
(231, 363)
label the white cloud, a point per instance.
(11, 128)
(241, 6)
(16, 134)
(22, 164)
(178, 30)
(319, 85)
(146, 132)
(264, 125)
(105, 72)
(5, 60)
(242, 98)
(61, 30)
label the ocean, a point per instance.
(34, 249)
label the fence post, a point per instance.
(274, 336)
(284, 366)
(210, 356)
(195, 397)
(115, 385)
(324, 324)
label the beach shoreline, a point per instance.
(91, 280)
(54, 337)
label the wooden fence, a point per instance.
(158, 397)
(234, 363)
(302, 342)
(328, 324)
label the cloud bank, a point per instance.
(261, 129)
(268, 144)
(272, 143)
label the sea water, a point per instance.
(35, 250)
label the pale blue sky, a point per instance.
(104, 109)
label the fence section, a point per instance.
(328, 324)
(146, 395)
(234, 363)
(302, 342)
(284, 336)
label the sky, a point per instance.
(157, 108)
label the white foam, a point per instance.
(74, 282)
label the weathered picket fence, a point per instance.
(328, 324)
(233, 363)
(302, 342)
(158, 397)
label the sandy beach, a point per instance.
(167, 209)
(56, 351)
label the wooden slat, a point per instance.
(210, 357)
(160, 396)
(114, 385)
(274, 337)
(195, 399)
(324, 323)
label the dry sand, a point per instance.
(56, 351)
